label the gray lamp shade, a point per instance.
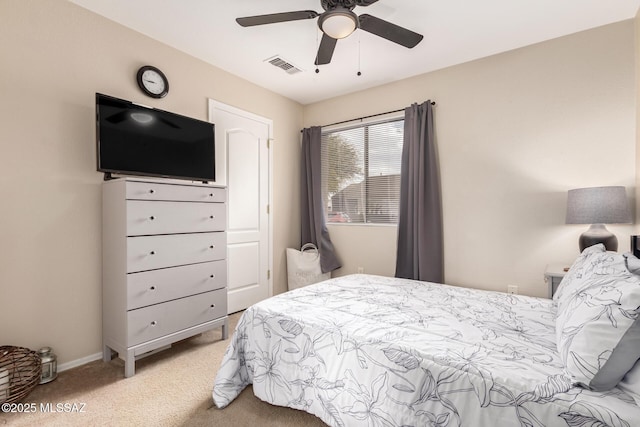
(598, 206)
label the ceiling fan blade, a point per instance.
(389, 31)
(365, 2)
(325, 51)
(273, 18)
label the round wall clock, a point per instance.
(153, 82)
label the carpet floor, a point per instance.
(170, 388)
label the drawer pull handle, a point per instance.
(151, 191)
(213, 276)
(213, 306)
(210, 194)
(212, 246)
(154, 323)
(153, 288)
(152, 217)
(212, 217)
(152, 253)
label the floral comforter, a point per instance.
(377, 351)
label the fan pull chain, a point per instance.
(358, 73)
(317, 49)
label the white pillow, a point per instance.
(631, 383)
(598, 319)
(576, 274)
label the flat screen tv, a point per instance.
(137, 140)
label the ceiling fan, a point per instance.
(337, 22)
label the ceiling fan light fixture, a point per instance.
(338, 23)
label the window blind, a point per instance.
(361, 172)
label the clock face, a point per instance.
(153, 82)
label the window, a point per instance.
(361, 173)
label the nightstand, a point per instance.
(553, 275)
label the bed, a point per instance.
(379, 351)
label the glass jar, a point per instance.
(49, 365)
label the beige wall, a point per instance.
(54, 56)
(514, 132)
(637, 76)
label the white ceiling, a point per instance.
(455, 31)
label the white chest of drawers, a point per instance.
(164, 269)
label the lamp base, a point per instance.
(598, 233)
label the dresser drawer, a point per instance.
(158, 217)
(156, 286)
(148, 323)
(153, 252)
(184, 193)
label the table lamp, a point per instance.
(598, 206)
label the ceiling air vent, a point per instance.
(285, 65)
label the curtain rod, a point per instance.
(368, 117)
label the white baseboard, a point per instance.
(79, 362)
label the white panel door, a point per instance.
(242, 141)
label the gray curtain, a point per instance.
(313, 227)
(420, 239)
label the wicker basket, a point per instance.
(20, 370)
